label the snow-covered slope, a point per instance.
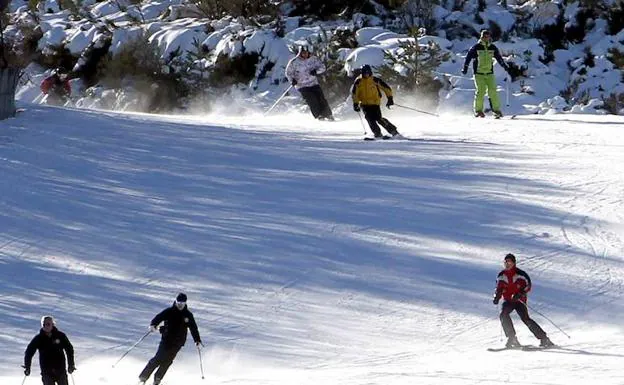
(310, 256)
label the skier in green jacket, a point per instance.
(483, 53)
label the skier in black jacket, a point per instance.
(177, 319)
(52, 345)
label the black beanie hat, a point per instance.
(181, 297)
(510, 257)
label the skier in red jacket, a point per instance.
(513, 285)
(57, 88)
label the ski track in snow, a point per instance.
(309, 256)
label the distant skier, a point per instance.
(176, 320)
(52, 345)
(302, 72)
(483, 53)
(513, 285)
(366, 94)
(56, 87)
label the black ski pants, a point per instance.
(372, 114)
(315, 99)
(523, 312)
(162, 360)
(54, 378)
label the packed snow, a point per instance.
(310, 256)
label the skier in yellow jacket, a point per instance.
(366, 94)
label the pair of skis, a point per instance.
(526, 348)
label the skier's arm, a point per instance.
(160, 317)
(45, 86)
(67, 87)
(354, 93)
(319, 66)
(69, 351)
(384, 87)
(499, 58)
(30, 351)
(290, 70)
(194, 331)
(500, 287)
(472, 54)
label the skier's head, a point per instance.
(486, 35)
(47, 323)
(510, 261)
(180, 301)
(366, 70)
(305, 51)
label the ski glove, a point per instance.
(517, 296)
(153, 328)
(464, 71)
(26, 370)
(356, 107)
(199, 344)
(313, 72)
(496, 300)
(390, 101)
(293, 82)
(71, 369)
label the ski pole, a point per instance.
(507, 80)
(201, 364)
(452, 75)
(279, 99)
(362, 122)
(24, 380)
(417, 110)
(132, 347)
(549, 320)
(72, 377)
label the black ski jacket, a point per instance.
(52, 349)
(176, 323)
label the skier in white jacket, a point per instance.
(302, 71)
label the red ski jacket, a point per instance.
(54, 82)
(513, 281)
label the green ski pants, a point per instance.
(485, 83)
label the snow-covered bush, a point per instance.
(411, 67)
(324, 10)
(335, 81)
(19, 38)
(216, 9)
(139, 66)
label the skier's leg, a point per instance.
(372, 114)
(154, 362)
(326, 111)
(61, 379)
(310, 96)
(391, 128)
(47, 379)
(481, 87)
(166, 363)
(505, 317)
(537, 331)
(492, 93)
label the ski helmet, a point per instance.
(366, 70)
(305, 48)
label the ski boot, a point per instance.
(512, 342)
(498, 114)
(546, 343)
(479, 114)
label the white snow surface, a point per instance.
(308, 255)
